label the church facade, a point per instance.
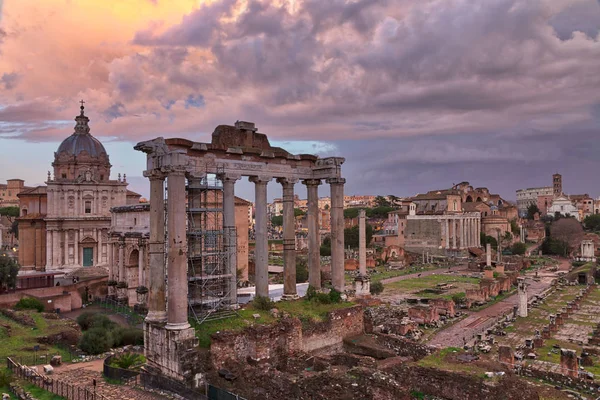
(80, 195)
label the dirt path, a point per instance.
(424, 273)
(465, 330)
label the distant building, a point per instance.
(528, 197)
(9, 192)
(564, 206)
(557, 185)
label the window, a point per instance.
(101, 177)
(24, 212)
(64, 176)
(88, 207)
(135, 221)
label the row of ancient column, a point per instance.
(176, 317)
(465, 232)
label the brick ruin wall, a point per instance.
(287, 337)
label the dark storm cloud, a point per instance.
(583, 16)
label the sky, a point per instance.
(415, 94)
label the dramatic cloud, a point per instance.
(415, 94)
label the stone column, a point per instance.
(447, 222)
(111, 265)
(454, 233)
(522, 289)
(488, 255)
(177, 250)
(156, 249)
(361, 283)
(289, 239)
(141, 281)
(100, 244)
(55, 247)
(471, 232)
(49, 244)
(261, 249)
(314, 242)
(461, 224)
(76, 247)
(478, 232)
(337, 232)
(122, 276)
(230, 236)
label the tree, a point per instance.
(514, 227)
(569, 231)
(11, 213)
(485, 239)
(298, 212)
(394, 200)
(351, 236)
(351, 213)
(532, 210)
(277, 220)
(381, 201)
(379, 212)
(592, 222)
(9, 269)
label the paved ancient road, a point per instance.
(476, 322)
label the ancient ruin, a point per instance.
(234, 152)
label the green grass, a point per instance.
(303, 309)
(41, 394)
(430, 282)
(6, 389)
(22, 338)
(440, 360)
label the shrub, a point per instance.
(376, 288)
(85, 320)
(459, 298)
(263, 303)
(311, 292)
(577, 264)
(321, 298)
(301, 271)
(96, 341)
(29, 303)
(102, 321)
(518, 248)
(128, 361)
(5, 378)
(325, 251)
(335, 296)
(128, 336)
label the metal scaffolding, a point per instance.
(210, 246)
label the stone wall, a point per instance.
(72, 300)
(286, 337)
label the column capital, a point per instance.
(336, 181)
(311, 182)
(226, 177)
(260, 180)
(177, 170)
(154, 174)
(287, 181)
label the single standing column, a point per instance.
(314, 243)
(156, 249)
(177, 253)
(261, 249)
(289, 239)
(488, 255)
(447, 222)
(230, 234)
(362, 243)
(337, 232)
(522, 289)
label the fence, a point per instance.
(44, 358)
(56, 386)
(131, 316)
(118, 374)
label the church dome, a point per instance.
(81, 140)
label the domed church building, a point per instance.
(80, 195)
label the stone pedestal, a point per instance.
(362, 286)
(506, 355)
(171, 351)
(538, 342)
(546, 333)
(569, 363)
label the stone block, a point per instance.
(48, 369)
(569, 363)
(56, 361)
(506, 355)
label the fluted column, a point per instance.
(261, 249)
(230, 234)
(314, 242)
(156, 250)
(177, 251)
(289, 239)
(337, 232)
